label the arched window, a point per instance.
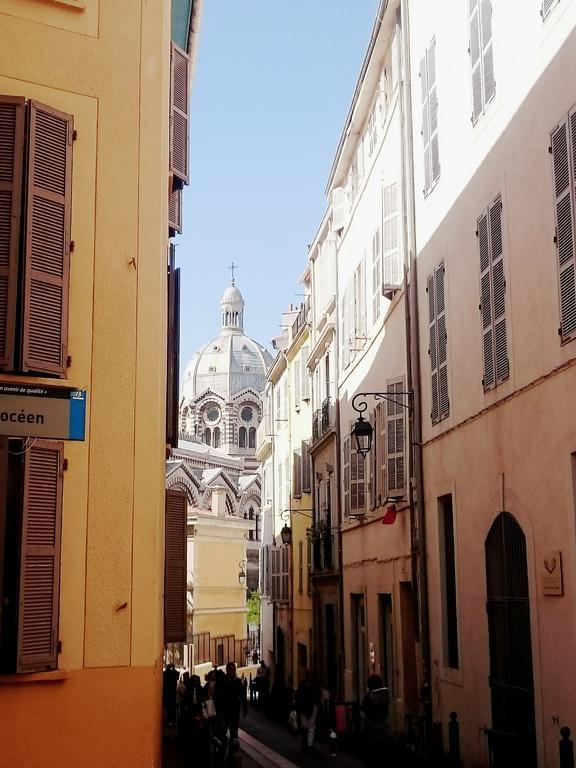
(242, 437)
(208, 436)
(216, 440)
(252, 437)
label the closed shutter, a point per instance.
(392, 276)
(357, 483)
(438, 345)
(175, 211)
(173, 355)
(285, 573)
(430, 118)
(376, 275)
(47, 241)
(175, 567)
(275, 573)
(297, 383)
(339, 207)
(179, 106)
(345, 324)
(306, 473)
(493, 296)
(305, 375)
(547, 6)
(346, 474)
(481, 56)
(39, 590)
(563, 161)
(297, 475)
(396, 440)
(11, 162)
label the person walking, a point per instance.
(232, 701)
(374, 712)
(307, 705)
(169, 683)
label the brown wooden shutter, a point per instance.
(39, 590)
(173, 355)
(47, 241)
(179, 104)
(306, 469)
(175, 586)
(175, 211)
(11, 163)
(396, 440)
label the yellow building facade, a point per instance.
(84, 180)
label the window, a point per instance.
(179, 96)
(279, 576)
(297, 382)
(252, 437)
(448, 581)
(392, 273)
(35, 218)
(376, 275)
(346, 473)
(372, 131)
(357, 481)
(208, 436)
(173, 355)
(305, 389)
(306, 473)
(300, 567)
(175, 582)
(296, 475)
(430, 118)
(216, 440)
(359, 335)
(396, 439)
(30, 533)
(379, 489)
(493, 295)
(438, 345)
(481, 56)
(547, 7)
(563, 162)
(242, 437)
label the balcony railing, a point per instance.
(322, 420)
(301, 318)
(323, 549)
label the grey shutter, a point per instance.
(11, 164)
(285, 573)
(174, 211)
(489, 375)
(432, 348)
(346, 474)
(433, 112)
(179, 106)
(425, 126)
(306, 473)
(297, 475)
(441, 342)
(395, 442)
(39, 589)
(391, 269)
(475, 60)
(489, 84)
(498, 291)
(175, 586)
(47, 241)
(376, 276)
(547, 6)
(564, 209)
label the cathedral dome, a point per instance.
(231, 362)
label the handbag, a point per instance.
(293, 720)
(209, 708)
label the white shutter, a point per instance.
(344, 325)
(563, 162)
(425, 125)
(357, 483)
(481, 56)
(346, 474)
(392, 272)
(297, 382)
(284, 573)
(376, 276)
(305, 375)
(488, 81)
(438, 345)
(339, 205)
(396, 440)
(350, 321)
(433, 112)
(547, 6)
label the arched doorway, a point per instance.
(512, 739)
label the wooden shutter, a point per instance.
(297, 383)
(175, 211)
(475, 60)
(392, 276)
(47, 241)
(339, 207)
(357, 483)
(563, 163)
(173, 355)
(39, 590)
(379, 483)
(438, 344)
(547, 6)
(296, 475)
(305, 390)
(493, 295)
(481, 56)
(275, 573)
(179, 107)
(306, 473)
(430, 118)
(376, 276)
(395, 443)
(488, 82)
(346, 474)
(425, 125)
(285, 572)
(11, 164)
(175, 586)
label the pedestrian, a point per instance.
(374, 712)
(263, 683)
(231, 701)
(180, 689)
(195, 730)
(307, 705)
(169, 682)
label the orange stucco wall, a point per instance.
(88, 718)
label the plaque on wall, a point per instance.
(551, 573)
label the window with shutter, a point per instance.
(297, 382)
(179, 106)
(173, 353)
(34, 236)
(396, 439)
(346, 474)
(563, 143)
(306, 470)
(438, 345)
(547, 7)
(285, 573)
(296, 475)
(493, 295)
(357, 482)
(174, 211)
(175, 585)
(339, 208)
(380, 488)
(430, 118)
(481, 56)
(305, 389)
(392, 270)
(376, 276)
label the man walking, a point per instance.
(232, 700)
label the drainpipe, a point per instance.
(418, 517)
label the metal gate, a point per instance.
(512, 738)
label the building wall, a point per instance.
(112, 537)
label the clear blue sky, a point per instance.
(272, 88)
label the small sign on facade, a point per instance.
(32, 410)
(551, 573)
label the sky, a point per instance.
(272, 88)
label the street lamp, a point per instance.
(362, 429)
(242, 573)
(286, 534)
